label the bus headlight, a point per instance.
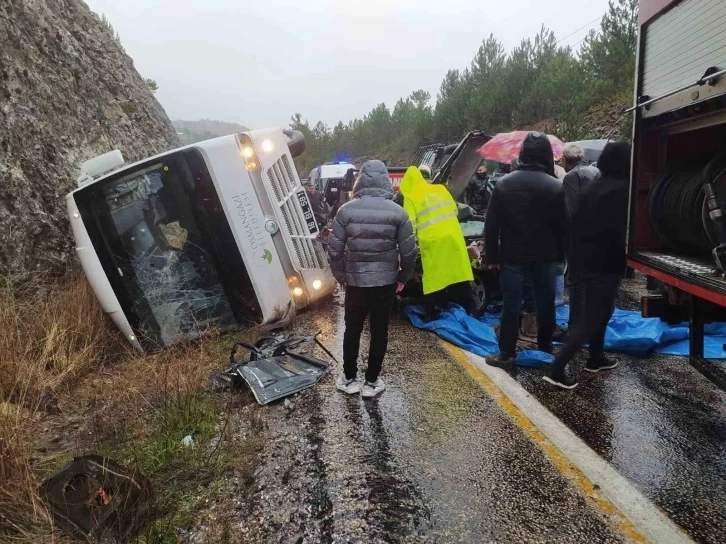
(298, 291)
(247, 151)
(267, 146)
(317, 285)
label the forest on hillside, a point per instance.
(538, 81)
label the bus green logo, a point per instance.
(262, 258)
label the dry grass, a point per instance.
(21, 511)
(69, 386)
(157, 401)
(51, 332)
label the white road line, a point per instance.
(645, 515)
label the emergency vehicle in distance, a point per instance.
(322, 175)
(211, 235)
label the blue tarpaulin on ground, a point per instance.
(627, 332)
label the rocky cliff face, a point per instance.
(68, 92)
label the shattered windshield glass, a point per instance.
(158, 247)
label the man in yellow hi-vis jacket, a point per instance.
(446, 266)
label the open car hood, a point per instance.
(462, 163)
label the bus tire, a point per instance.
(296, 142)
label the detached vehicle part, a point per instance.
(95, 498)
(272, 370)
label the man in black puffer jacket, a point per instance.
(525, 232)
(372, 255)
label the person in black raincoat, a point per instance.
(597, 261)
(477, 191)
(525, 235)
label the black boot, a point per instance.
(505, 361)
(600, 362)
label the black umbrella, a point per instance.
(593, 148)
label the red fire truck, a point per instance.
(677, 234)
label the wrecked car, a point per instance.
(454, 165)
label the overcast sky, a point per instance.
(257, 63)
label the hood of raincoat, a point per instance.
(536, 154)
(373, 180)
(411, 179)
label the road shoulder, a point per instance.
(634, 514)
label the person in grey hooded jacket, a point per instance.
(373, 254)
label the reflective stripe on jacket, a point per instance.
(434, 216)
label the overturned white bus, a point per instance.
(212, 235)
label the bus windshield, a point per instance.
(165, 241)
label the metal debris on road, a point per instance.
(273, 371)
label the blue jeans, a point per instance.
(529, 291)
(513, 278)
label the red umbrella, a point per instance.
(505, 146)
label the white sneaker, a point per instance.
(370, 390)
(352, 387)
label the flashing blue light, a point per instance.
(343, 162)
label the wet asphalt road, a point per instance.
(659, 422)
(662, 425)
(434, 459)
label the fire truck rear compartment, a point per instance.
(672, 232)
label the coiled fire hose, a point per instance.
(686, 208)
